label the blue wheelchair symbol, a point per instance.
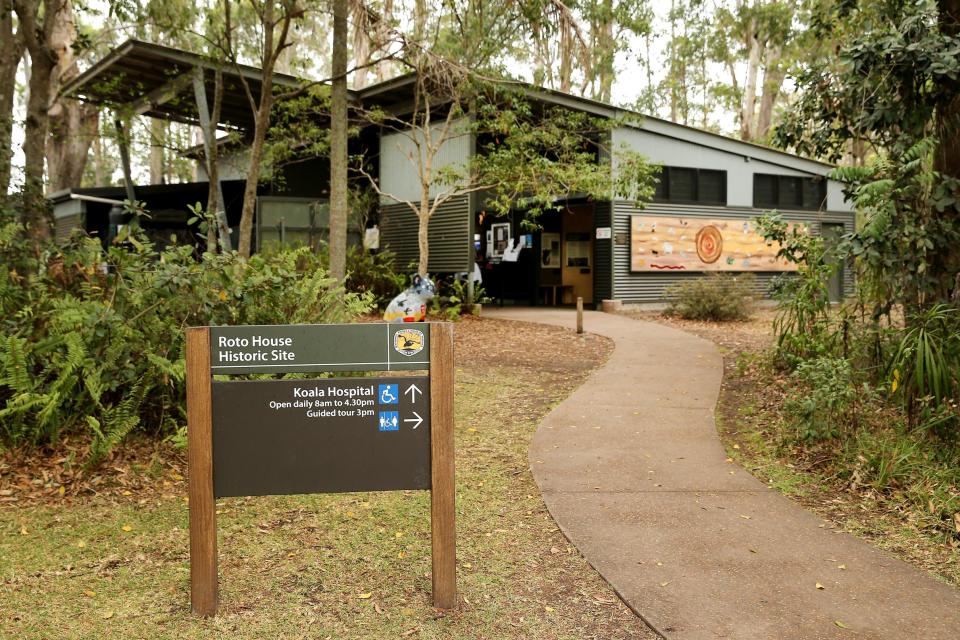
(389, 394)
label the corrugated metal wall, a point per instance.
(65, 225)
(449, 234)
(602, 254)
(649, 287)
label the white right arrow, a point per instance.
(418, 420)
(413, 390)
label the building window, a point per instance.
(789, 192)
(691, 186)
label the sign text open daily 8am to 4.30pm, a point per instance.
(275, 437)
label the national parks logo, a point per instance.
(408, 342)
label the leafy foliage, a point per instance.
(719, 296)
(530, 156)
(94, 340)
(802, 326)
(924, 368)
(896, 87)
(829, 394)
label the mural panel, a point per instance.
(662, 243)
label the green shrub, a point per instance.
(822, 405)
(93, 340)
(802, 326)
(374, 273)
(925, 366)
(719, 296)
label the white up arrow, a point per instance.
(417, 420)
(413, 390)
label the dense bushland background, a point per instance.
(93, 339)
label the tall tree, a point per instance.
(755, 41)
(338, 144)
(275, 18)
(73, 124)
(611, 25)
(11, 52)
(38, 22)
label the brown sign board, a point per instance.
(302, 348)
(266, 437)
(321, 436)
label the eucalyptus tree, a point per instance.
(338, 144)
(272, 35)
(39, 24)
(755, 41)
(11, 52)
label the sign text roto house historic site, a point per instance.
(319, 435)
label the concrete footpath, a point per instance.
(633, 471)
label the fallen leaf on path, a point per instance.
(744, 517)
(820, 586)
(842, 567)
(840, 624)
(663, 584)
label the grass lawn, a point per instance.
(115, 564)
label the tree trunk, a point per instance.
(73, 127)
(338, 145)
(749, 101)
(423, 234)
(262, 123)
(566, 59)
(947, 154)
(383, 31)
(72, 124)
(273, 45)
(213, 168)
(157, 136)
(361, 43)
(36, 128)
(608, 53)
(773, 75)
(11, 51)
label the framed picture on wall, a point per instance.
(550, 250)
(501, 238)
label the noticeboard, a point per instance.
(322, 434)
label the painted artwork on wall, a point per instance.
(662, 243)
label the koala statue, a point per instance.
(411, 304)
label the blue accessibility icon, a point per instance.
(389, 394)
(389, 421)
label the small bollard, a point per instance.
(579, 315)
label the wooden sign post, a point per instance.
(276, 437)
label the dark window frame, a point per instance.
(778, 202)
(665, 186)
